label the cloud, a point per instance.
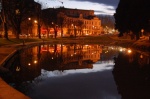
(113, 3)
(99, 6)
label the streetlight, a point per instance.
(35, 27)
(142, 31)
(29, 19)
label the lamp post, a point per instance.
(36, 28)
(142, 31)
(29, 27)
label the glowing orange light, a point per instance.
(129, 51)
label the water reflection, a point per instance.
(132, 75)
(27, 65)
(77, 69)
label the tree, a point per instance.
(16, 12)
(61, 21)
(49, 17)
(37, 7)
(3, 18)
(131, 16)
(80, 24)
(47, 20)
(121, 17)
(107, 20)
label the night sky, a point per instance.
(106, 7)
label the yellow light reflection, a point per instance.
(35, 21)
(129, 51)
(17, 68)
(29, 64)
(141, 56)
(121, 50)
(35, 61)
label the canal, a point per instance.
(75, 71)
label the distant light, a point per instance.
(29, 18)
(129, 51)
(35, 21)
(141, 56)
(35, 61)
(121, 50)
(29, 64)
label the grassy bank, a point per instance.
(88, 39)
(104, 39)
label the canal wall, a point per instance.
(6, 91)
(6, 52)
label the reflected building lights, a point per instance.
(121, 50)
(29, 64)
(17, 68)
(35, 62)
(141, 56)
(129, 51)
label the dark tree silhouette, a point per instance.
(37, 8)
(132, 16)
(121, 17)
(16, 12)
(61, 22)
(80, 25)
(3, 18)
(107, 20)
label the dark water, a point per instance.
(74, 71)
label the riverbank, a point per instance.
(7, 92)
(141, 44)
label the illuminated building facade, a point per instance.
(77, 22)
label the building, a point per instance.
(60, 22)
(74, 22)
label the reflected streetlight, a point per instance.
(35, 21)
(121, 50)
(17, 68)
(35, 62)
(129, 51)
(29, 64)
(141, 56)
